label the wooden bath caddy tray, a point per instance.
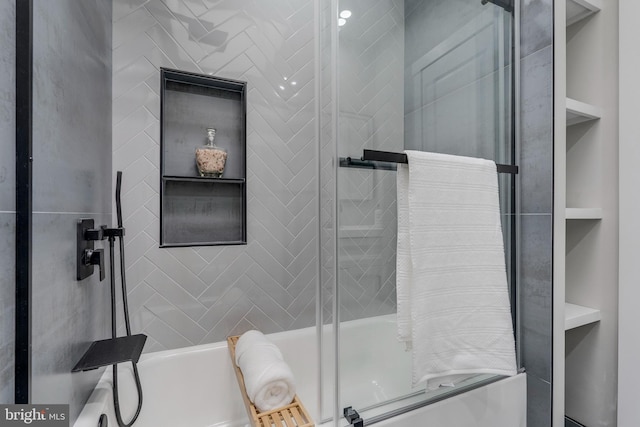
(292, 415)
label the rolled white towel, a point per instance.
(268, 379)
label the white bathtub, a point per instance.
(196, 386)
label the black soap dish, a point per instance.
(111, 351)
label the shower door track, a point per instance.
(395, 412)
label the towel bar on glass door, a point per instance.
(349, 162)
(391, 157)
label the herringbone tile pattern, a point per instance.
(371, 76)
(186, 296)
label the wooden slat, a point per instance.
(295, 403)
(292, 415)
(305, 414)
(297, 416)
(287, 418)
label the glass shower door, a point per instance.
(430, 75)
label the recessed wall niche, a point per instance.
(200, 210)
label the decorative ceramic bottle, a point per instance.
(211, 159)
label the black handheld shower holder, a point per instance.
(116, 349)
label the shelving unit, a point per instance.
(583, 238)
(195, 210)
(577, 315)
(577, 10)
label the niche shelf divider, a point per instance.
(195, 210)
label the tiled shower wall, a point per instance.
(71, 180)
(7, 198)
(185, 296)
(536, 177)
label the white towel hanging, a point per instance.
(453, 301)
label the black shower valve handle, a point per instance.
(95, 233)
(95, 257)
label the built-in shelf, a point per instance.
(583, 213)
(195, 210)
(577, 315)
(579, 112)
(580, 9)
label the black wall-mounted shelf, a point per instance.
(111, 351)
(194, 210)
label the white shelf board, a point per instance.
(583, 213)
(577, 315)
(578, 112)
(580, 9)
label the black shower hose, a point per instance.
(116, 402)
